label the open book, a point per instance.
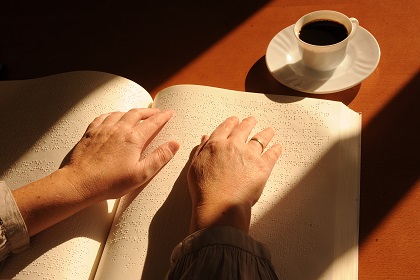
(307, 214)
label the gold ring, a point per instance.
(259, 141)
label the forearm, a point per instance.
(48, 201)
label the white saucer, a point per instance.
(284, 62)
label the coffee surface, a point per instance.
(323, 32)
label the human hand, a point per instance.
(107, 163)
(227, 174)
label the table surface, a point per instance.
(223, 44)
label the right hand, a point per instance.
(227, 174)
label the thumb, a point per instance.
(154, 162)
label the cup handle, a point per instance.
(354, 27)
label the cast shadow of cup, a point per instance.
(260, 79)
(292, 74)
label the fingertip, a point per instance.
(204, 139)
(173, 147)
(251, 119)
(270, 129)
(234, 119)
(273, 153)
(143, 111)
(99, 119)
(278, 149)
(158, 159)
(168, 112)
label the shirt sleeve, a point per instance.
(14, 235)
(221, 253)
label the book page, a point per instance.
(41, 121)
(299, 212)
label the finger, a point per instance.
(260, 140)
(112, 118)
(97, 121)
(243, 129)
(149, 127)
(272, 154)
(134, 116)
(154, 162)
(225, 128)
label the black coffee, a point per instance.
(323, 32)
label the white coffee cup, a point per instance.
(325, 57)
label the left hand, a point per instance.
(107, 163)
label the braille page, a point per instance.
(297, 214)
(41, 120)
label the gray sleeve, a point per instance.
(14, 235)
(221, 253)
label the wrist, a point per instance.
(211, 215)
(78, 184)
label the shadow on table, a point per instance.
(259, 79)
(390, 157)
